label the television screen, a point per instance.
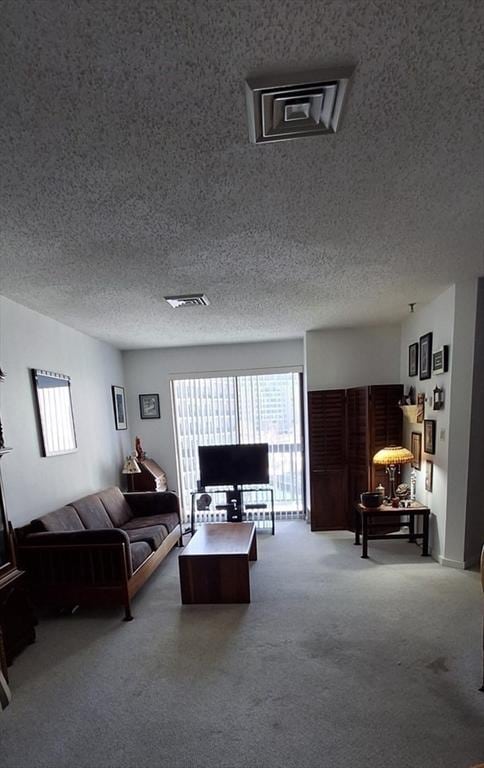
(234, 464)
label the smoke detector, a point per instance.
(188, 300)
(282, 107)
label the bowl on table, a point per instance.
(371, 499)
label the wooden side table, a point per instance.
(367, 522)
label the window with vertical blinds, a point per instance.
(262, 408)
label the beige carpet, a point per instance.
(337, 662)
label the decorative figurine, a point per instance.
(403, 491)
(413, 484)
(140, 454)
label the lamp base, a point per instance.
(392, 470)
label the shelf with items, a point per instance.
(410, 412)
(236, 507)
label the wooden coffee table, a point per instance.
(214, 567)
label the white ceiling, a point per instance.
(127, 174)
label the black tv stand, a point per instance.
(234, 504)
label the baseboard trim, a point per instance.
(448, 563)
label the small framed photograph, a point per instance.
(429, 436)
(426, 356)
(149, 406)
(416, 448)
(119, 405)
(420, 407)
(413, 359)
(429, 475)
(440, 360)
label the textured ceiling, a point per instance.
(126, 172)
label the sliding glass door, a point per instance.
(262, 408)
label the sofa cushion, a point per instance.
(63, 519)
(92, 513)
(153, 535)
(116, 506)
(140, 550)
(169, 520)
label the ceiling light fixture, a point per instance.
(187, 300)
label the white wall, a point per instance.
(437, 317)
(34, 484)
(462, 364)
(352, 357)
(475, 516)
(452, 319)
(151, 370)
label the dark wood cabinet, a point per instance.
(327, 459)
(151, 478)
(346, 429)
(16, 617)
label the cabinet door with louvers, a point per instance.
(385, 427)
(358, 447)
(327, 459)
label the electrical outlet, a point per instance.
(442, 435)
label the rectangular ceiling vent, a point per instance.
(282, 107)
(188, 300)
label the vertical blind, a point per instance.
(263, 408)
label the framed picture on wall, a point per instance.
(149, 406)
(429, 475)
(429, 435)
(420, 407)
(416, 448)
(119, 405)
(440, 360)
(413, 359)
(426, 356)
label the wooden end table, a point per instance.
(214, 566)
(367, 519)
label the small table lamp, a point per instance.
(391, 458)
(131, 467)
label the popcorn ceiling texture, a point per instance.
(127, 174)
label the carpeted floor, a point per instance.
(337, 662)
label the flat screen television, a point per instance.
(234, 464)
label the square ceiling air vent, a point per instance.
(188, 300)
(282, 107)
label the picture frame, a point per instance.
(425, 354)
(429, 436)
(149, 406)
(420, 407)
(416, 448)
(119, 405)
(429, 475)
(413, 359)
(440, 360)
(54, 411)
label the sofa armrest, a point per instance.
(101, 556)
(87, 538)
(153, 503)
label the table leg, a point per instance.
(192, 515)
(272, 512)
(411, 527)
(425, 545)
(357, 527)
(364, 552)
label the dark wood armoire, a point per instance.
(346, 429)
(17, 621)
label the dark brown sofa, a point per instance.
(99, 549)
